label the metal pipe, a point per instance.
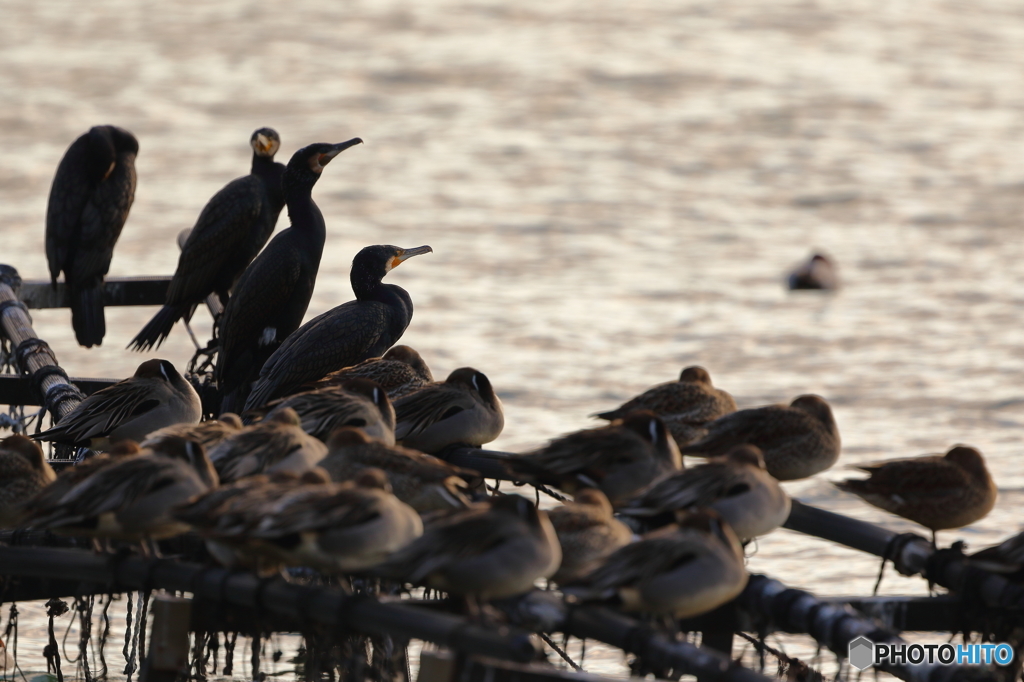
(361, 613)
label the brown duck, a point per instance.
(620, 459)
(423, 482)
(361, 403)
(681, 570)
(685, 406)
(937, 491)
(399, 372)
(798, 440)
(463, 409)
(207, 433)
(24, 471)
(587, 532)
(489, 551)
(277, 443)
(737, 486)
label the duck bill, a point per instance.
(406, 254)
(336, 149)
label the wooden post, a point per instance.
(168, 648)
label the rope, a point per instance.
(560, 652)
(29, 347)
(54, 607)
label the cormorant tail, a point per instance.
(159, 328)
(87, 315)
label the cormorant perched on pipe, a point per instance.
(273, 293)
(90, 198)
(231, 229)
(345, 335)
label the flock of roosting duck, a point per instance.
(329, 451)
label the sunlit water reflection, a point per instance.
(611, 193)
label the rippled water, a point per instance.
(611, 193)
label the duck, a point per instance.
(51, 495)
(131, 498)
(277, 443)
(462, 410)
(737, 486)
(154, 397)
(399, 372)
(357, 402)
(423, 482)
(588, 533)
(24, 471)
(339, 527)
(797, 440)
(490, 550)
(224, 516)
(818, 272)
(939, 492)
(685, 405)
(683, 570)
(207, 433)
(620, 459)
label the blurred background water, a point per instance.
(612, 192)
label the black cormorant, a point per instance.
(273, 293)
(231, 229)
(350, 333)
(90, 198)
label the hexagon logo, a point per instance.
(862, 653)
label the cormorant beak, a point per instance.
(264, 145)
(325, 157)
(405, 254)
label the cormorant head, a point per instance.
(305, 166)
(120, 139)
(265, 142)
(373, 262)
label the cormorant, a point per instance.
(231, 229)
(347, 334)
(90, 198)
(273, 293)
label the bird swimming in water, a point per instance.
(24, 471)
(737, 486)
(90, 198)
(817, 273)
(798, 440)
(620, 459)
(347, 334)
(399, 372)
(360, 403)
(271, 297)
(682, 570)
(587, 532)
(154, 397)
(231, 229)
(685, 406)
(461, 410)
(939, 492)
